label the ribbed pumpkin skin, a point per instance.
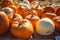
(56, 21)
(48, 15)
(33, 19)
(23, 31)
(49, 10)
(58, 12)
(4, 23)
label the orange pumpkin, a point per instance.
(29, 12)
(22, 29)
(49, 9)
(57, 7)
(9, 13)
(33, 18)
(48, 15)
(4, 23)
(6, 4)
(17, 17)
(20, 11)
(58, 12)
(39, 12)
(56, 21)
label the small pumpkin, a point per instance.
(56, 21)
(33, 18)
(7, 4)
(22, 29)
(49, 10)
(48, 15)
(4, 23)
(45, 26)
(58, 12)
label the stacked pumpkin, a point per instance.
(24, 19)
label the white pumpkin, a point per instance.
(45, 26)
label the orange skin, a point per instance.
(49, 10)
(33, 21)
(22, 31)
(39, 12)
(6, 4)
(58, 12)
(57, 7)
(21, 11)
(29, 12)
(48, 15)
(4, 23)
(56, 21)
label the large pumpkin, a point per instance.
(56, 21)
(6, 4)
(48, 15)
(9, 13)
(33, 18)
(58, 12)
(45, 26)
(49, 10)
(22, 29)
(4, 23)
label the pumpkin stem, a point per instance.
(20, 23)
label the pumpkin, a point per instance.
(45, 26)
(58, 12)
(6, 4)
(56, 21)
(49, 10)
(57, 7)
(4, 23)
(39, 12)
(22, 10)
(29, 12)
(48, 15)
(14, 8)
(33, 18)
(22, 29)
(9, 13)
(17, 17)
